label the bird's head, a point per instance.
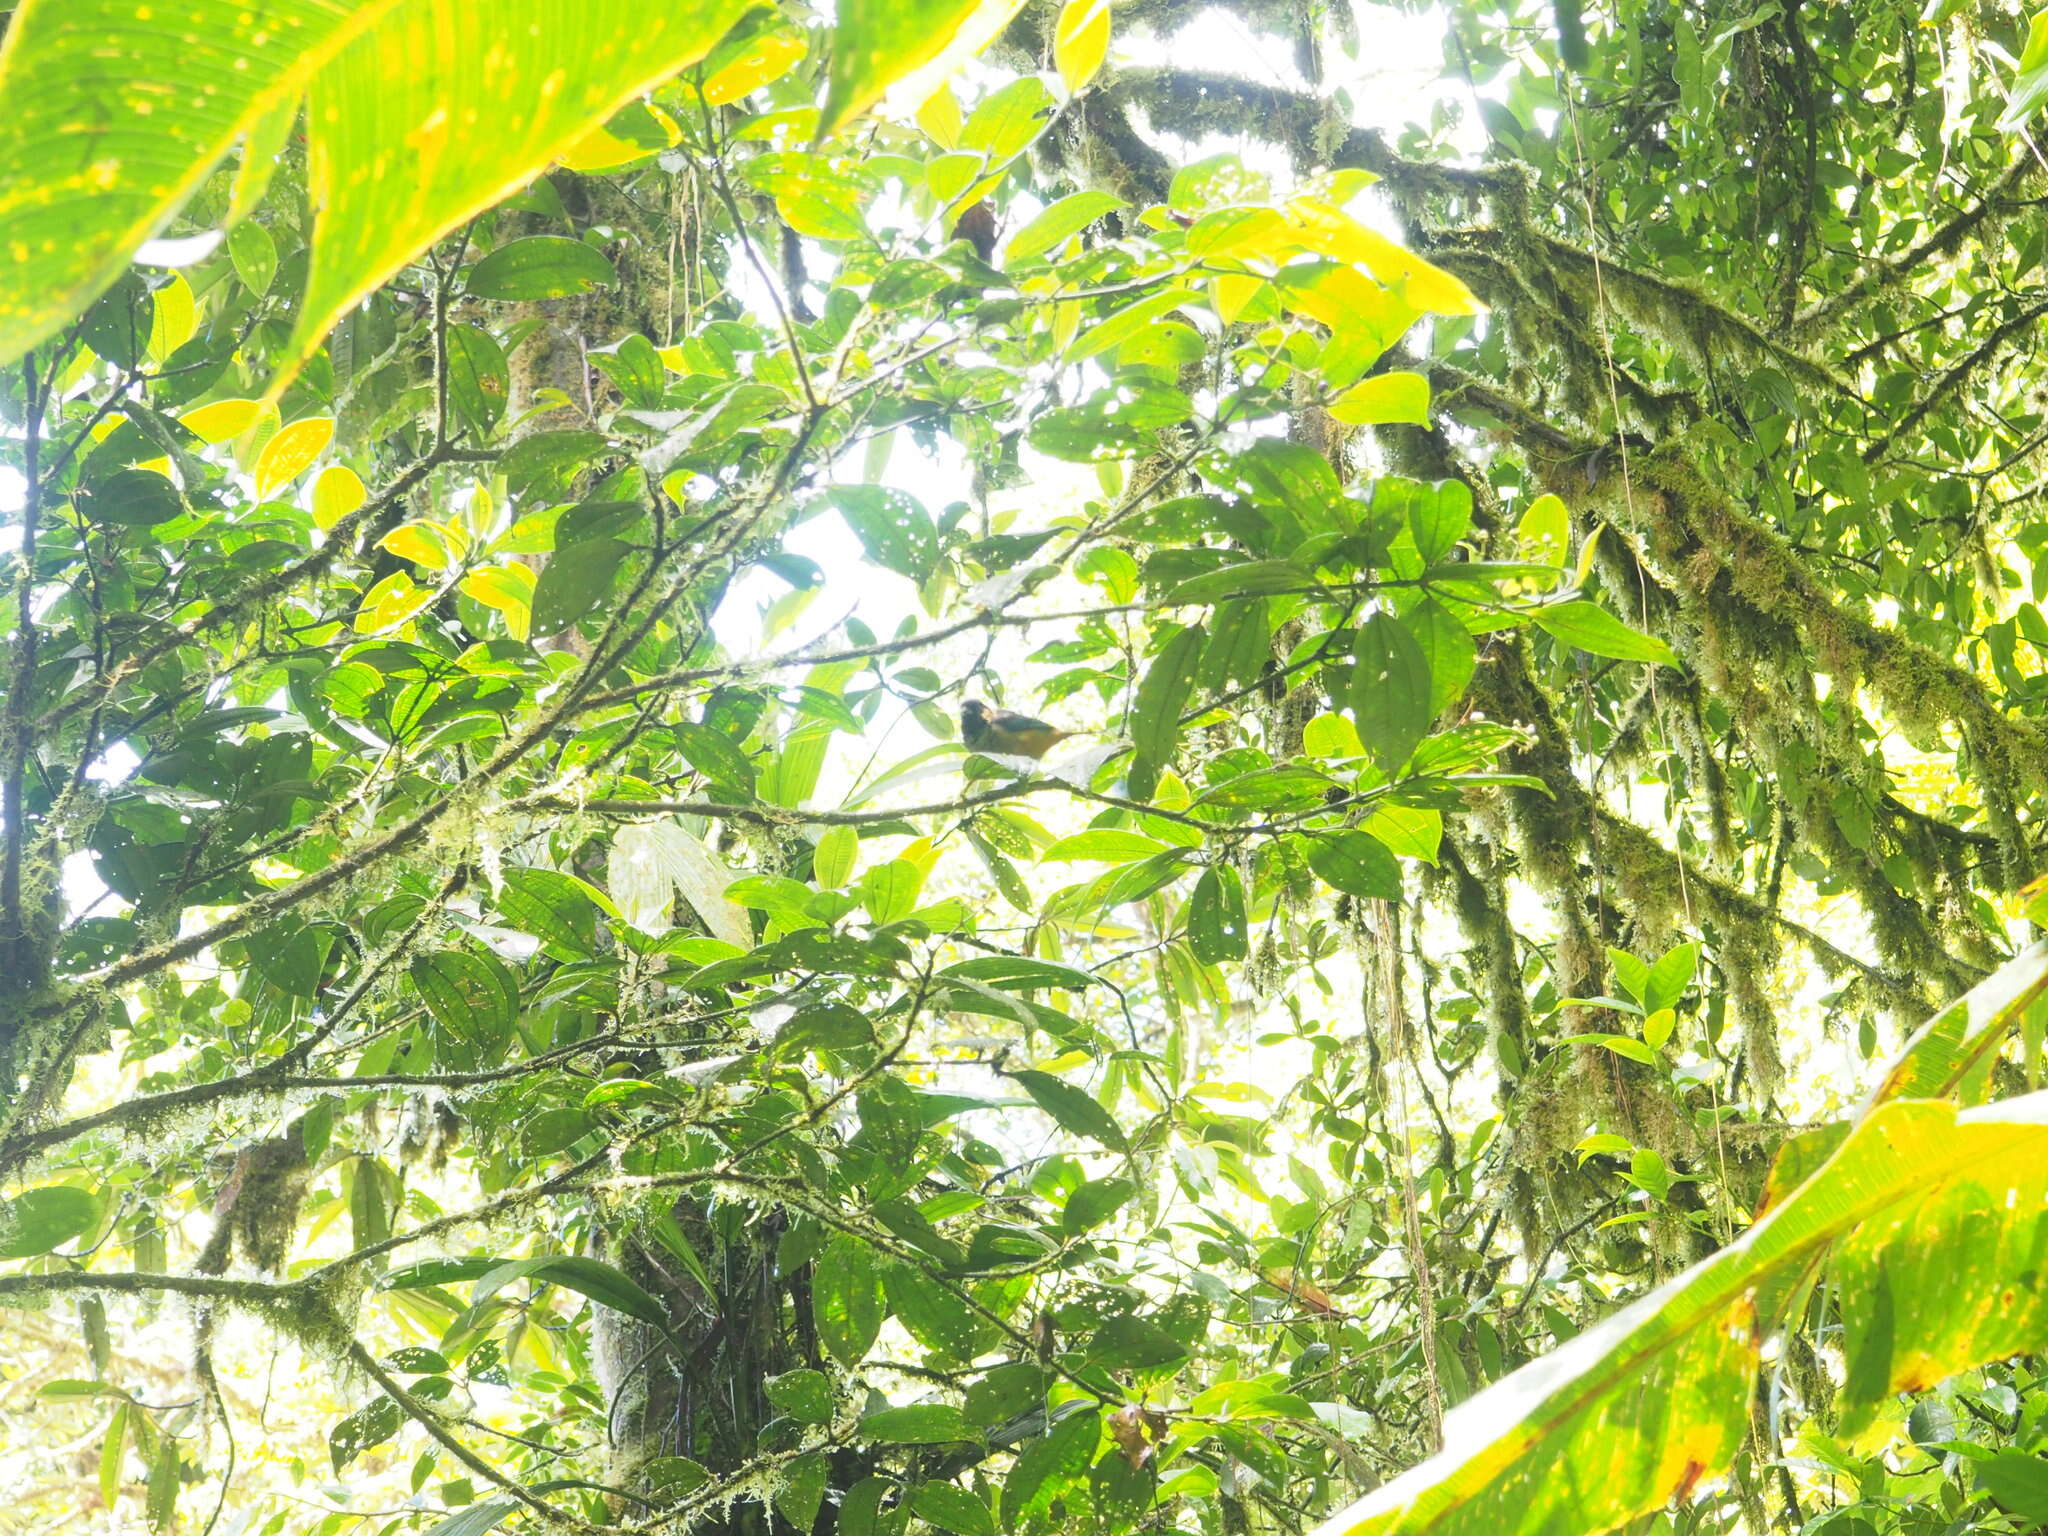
(975, 719)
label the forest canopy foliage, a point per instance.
(1515, 1009)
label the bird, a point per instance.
(984, 728)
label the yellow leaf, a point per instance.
(600, 150)
(1080, 41)
(1330, 231)
(1386, 397)
(292, 452)
(672, 359)
(390, 603)
(424, 543)
(1243, 233)
(507, 588)
(255, 437)
(907, 48)
(220, 420)
(940, 118)
(1350, 304)
(175, 318)
(1587, 551)
(337, 492)
(409, 138)
(478, 517)
(764, 59)
(1233, 293)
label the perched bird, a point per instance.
(984, 728)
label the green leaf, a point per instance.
(1544, 532)
(1448, 649)
(1114, 329)
(1669, 977)
(1245, 580)
(1411, 831)
(830, 1027)
(287, 954)
(431, 1272)
(2030, 80)
(368, 1426)
(551, 906)
(917, 1424)
(1005, 121)
(719, 758)
(1592, 628)
(889, 890)
(892, 526)
(1060, 221)
(1048, 1466)
(1134, 1344)
(1155, 717)
(1439, 515)
(804, 1395)
(932, 1312)
(573, 582)
(1093, 1203)
(254, 254)
(478, 377)
(1286, 475)
(130, 498)
(1631, 973)
(832, 861)
(599, 1281)
(1217, 924)
(1103, 845)
(1356, 863)
(674, 1477)
(2018, 1480)
(950, 1507)
(472, 996)
(1075, 1109)
(111, 1449)
(846, 1298)
(544, 463)
(554, 1131)
(477, 1520)
(1621, 1045)
(812, 197)
(802, 1492)
(160, 1502)
(1390, 691)
(1020, 973)
(38, 1220)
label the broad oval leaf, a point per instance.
(39, 1220)
(1592, 628)
(540, 267)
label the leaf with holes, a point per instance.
(471, 995)
(1216, 917)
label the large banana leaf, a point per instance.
(446, 107)
(1933, 1222)
(420, 114)
(110, 116)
